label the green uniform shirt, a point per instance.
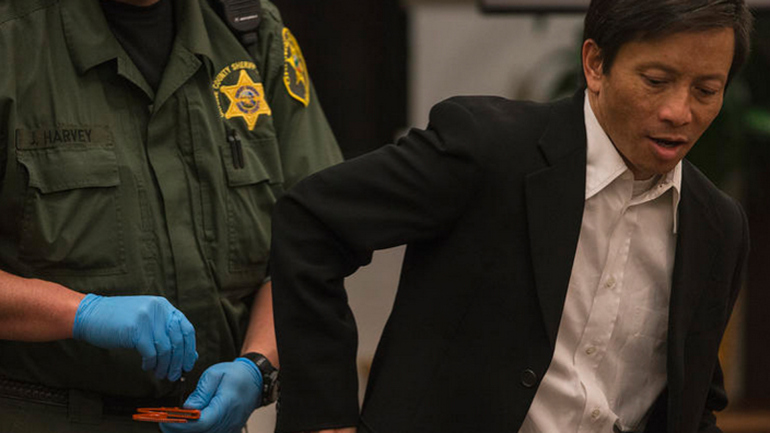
(110, 188)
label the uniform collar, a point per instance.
(604, 164)
(192, 31)
(87, 34)
(91, 43)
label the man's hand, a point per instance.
(226, 395)
(150, 324)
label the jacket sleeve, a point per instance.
(328, 226)
(716, 400)
(305, 140)
(717, 396)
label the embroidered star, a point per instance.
(247, 100)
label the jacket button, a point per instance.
(528, 378)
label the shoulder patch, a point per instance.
(295, 75)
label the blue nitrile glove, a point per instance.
(150, 324)
(226, 395)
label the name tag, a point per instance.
(44, 138)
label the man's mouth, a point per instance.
(668, 143)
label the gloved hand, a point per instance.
(226, 395)
(150, 324)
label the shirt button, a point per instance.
(595, 414)
(591, 350)
(528, 378)
(610, 283)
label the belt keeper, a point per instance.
(85, 407)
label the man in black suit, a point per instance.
(566, 269)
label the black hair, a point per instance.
(613, 23)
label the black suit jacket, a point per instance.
(489, 199)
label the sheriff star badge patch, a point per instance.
(243, 98)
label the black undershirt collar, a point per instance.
(146, 33)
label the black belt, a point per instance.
(37, 393)
(33, 392)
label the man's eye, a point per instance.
(707, 92)
(654, 81)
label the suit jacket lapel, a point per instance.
(695, 254)
(555, 197)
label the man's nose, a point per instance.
(677, 108)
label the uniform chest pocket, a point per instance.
(254, 180)
(71, 222)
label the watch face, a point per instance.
(271, 388)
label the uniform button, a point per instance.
(590, 350)
(595, 414)
(528, 378)
(610, 283)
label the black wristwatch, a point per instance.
(270, 384)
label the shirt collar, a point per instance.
(90, 40)
(192, 28)
(604, 164)
(87, 34)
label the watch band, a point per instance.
(270, 383)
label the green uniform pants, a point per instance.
(19, 416)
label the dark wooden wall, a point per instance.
(757, 174)
(356, 52)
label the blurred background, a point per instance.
(378, 67)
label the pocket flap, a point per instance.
(261, 162)
(60, 169)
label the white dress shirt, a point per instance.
(609, 364)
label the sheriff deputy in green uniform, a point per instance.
(142, 146)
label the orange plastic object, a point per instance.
(166, 414)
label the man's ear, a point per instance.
(592, 65)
